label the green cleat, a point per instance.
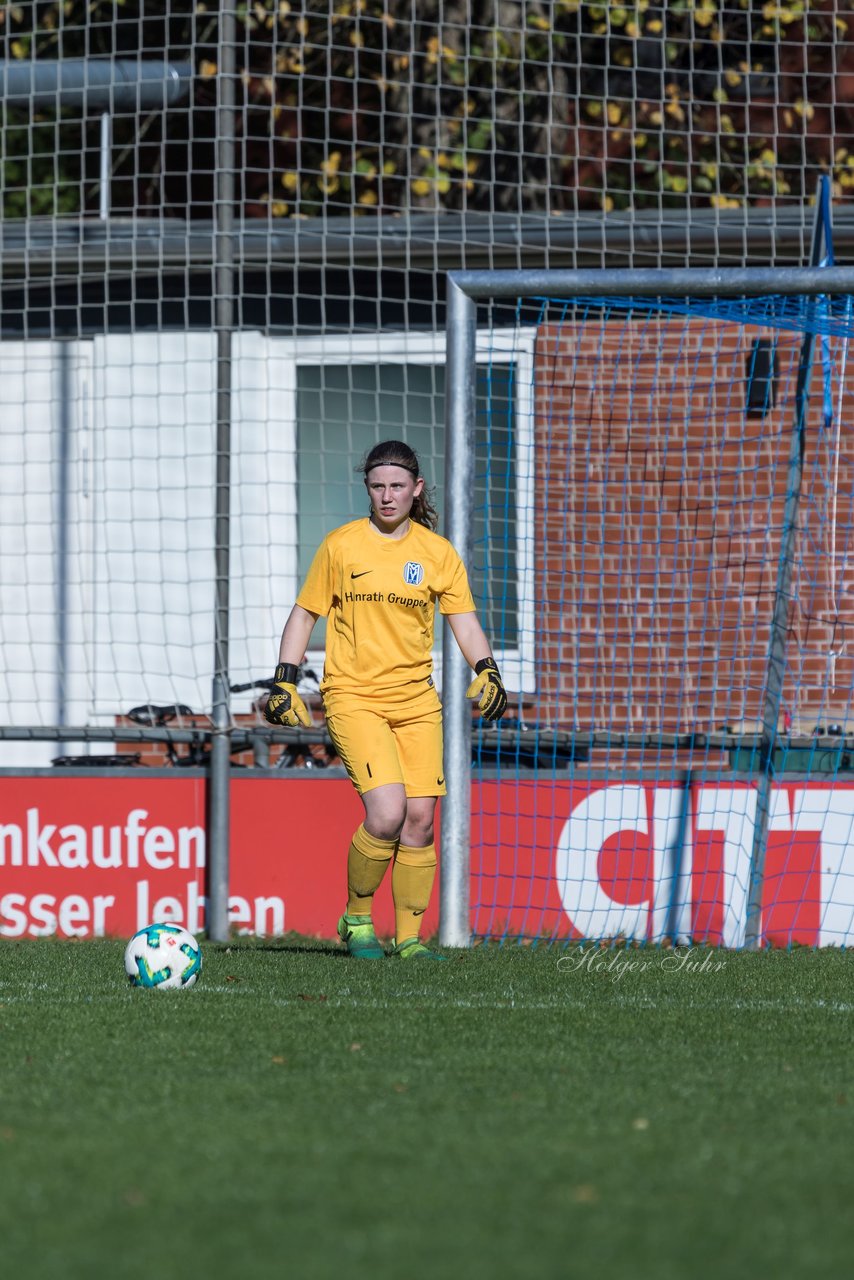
(357, 934)
(414, 949)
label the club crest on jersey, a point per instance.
(413, 573)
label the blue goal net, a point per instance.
(663, 546)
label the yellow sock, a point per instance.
(412, 879)
(366, 865)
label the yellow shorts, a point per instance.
(379, 743)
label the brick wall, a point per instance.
(659, 510)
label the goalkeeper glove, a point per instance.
(284, 705)
(488, 687)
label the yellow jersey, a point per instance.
(378, 595)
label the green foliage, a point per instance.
(38, 180)
(552, 105)
(507, 1113)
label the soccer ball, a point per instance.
(164, 957)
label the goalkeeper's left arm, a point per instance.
(487, 686)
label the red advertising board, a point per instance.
(104, 855)
(640, 860)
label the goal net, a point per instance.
(667, 560)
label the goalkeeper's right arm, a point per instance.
(284, 705)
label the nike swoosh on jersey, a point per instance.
(362, 574)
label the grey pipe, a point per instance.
(96, 84)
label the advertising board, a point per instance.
(101, 856)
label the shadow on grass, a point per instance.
(289, 944)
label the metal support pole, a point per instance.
(776, 666)
(454, 928)
(105, 166)
(674, 929)
(260, 751)
(219, 808)
(63, 508)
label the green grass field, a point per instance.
(511, 1113)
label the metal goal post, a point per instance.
(465, 289)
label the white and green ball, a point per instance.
(163, 957)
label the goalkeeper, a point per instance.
(376, 581)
